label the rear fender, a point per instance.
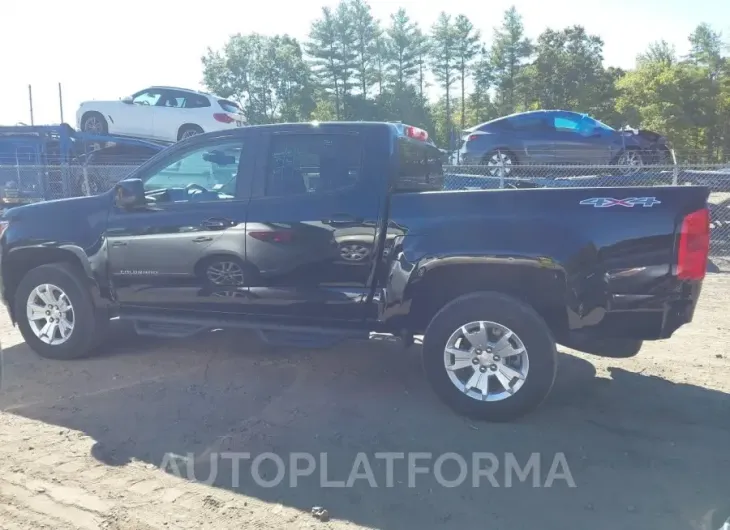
(416, 291)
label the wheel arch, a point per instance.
(544, 289)
(503, 149)
(187, 125)
(19, 261)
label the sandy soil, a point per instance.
(646, 440)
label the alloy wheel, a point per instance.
(499, 162)
(354, 251)
(225, 273)
(50, 314)
(486, 361)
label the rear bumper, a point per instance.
(647, 317)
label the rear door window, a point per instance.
(527, 123)
(313, 163)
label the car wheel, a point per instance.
(498, 161)
(629, 162)
(354, 252)
(55, 313)
(94, 123)
(186, 131)
(224, 271)
(489, 356)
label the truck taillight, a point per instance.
(416, 133)
(223, 118)
(694, 245)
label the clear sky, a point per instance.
(105, 50)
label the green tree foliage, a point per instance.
(403, 48)
(510, 51)
(466, 47)
(354, 68)
(267, 75)
(444, 61)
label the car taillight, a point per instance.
(694, 245)
(223, 118)
(272, 236)
(472, 137)
(416, 133)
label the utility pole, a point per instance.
(30, 100)
(60, 100)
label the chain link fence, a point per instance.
(21, 184)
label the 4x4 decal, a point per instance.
(607, 202)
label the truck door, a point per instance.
(186, 249)
(311, 227)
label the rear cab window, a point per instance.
(420, 165)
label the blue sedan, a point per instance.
(557, 137)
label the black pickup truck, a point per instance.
(315, 233)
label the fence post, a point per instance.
(675, 169)
(501, 171)
(87, 187)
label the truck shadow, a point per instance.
(641, 451)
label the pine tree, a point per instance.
(467, 48)
(443, 61)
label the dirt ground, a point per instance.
(82, 444)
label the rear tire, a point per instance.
(495, 160)
(67, 289)
(186, 131)
(529, 330)
(628, 163)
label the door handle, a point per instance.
(119, 244)
(343, 218)
(202, 239)
(216, 223)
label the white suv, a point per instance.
(160, 113)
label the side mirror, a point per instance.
(129, 194)
(128, 100)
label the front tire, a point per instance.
(95, 123)
(55, 313)
(503, 364)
